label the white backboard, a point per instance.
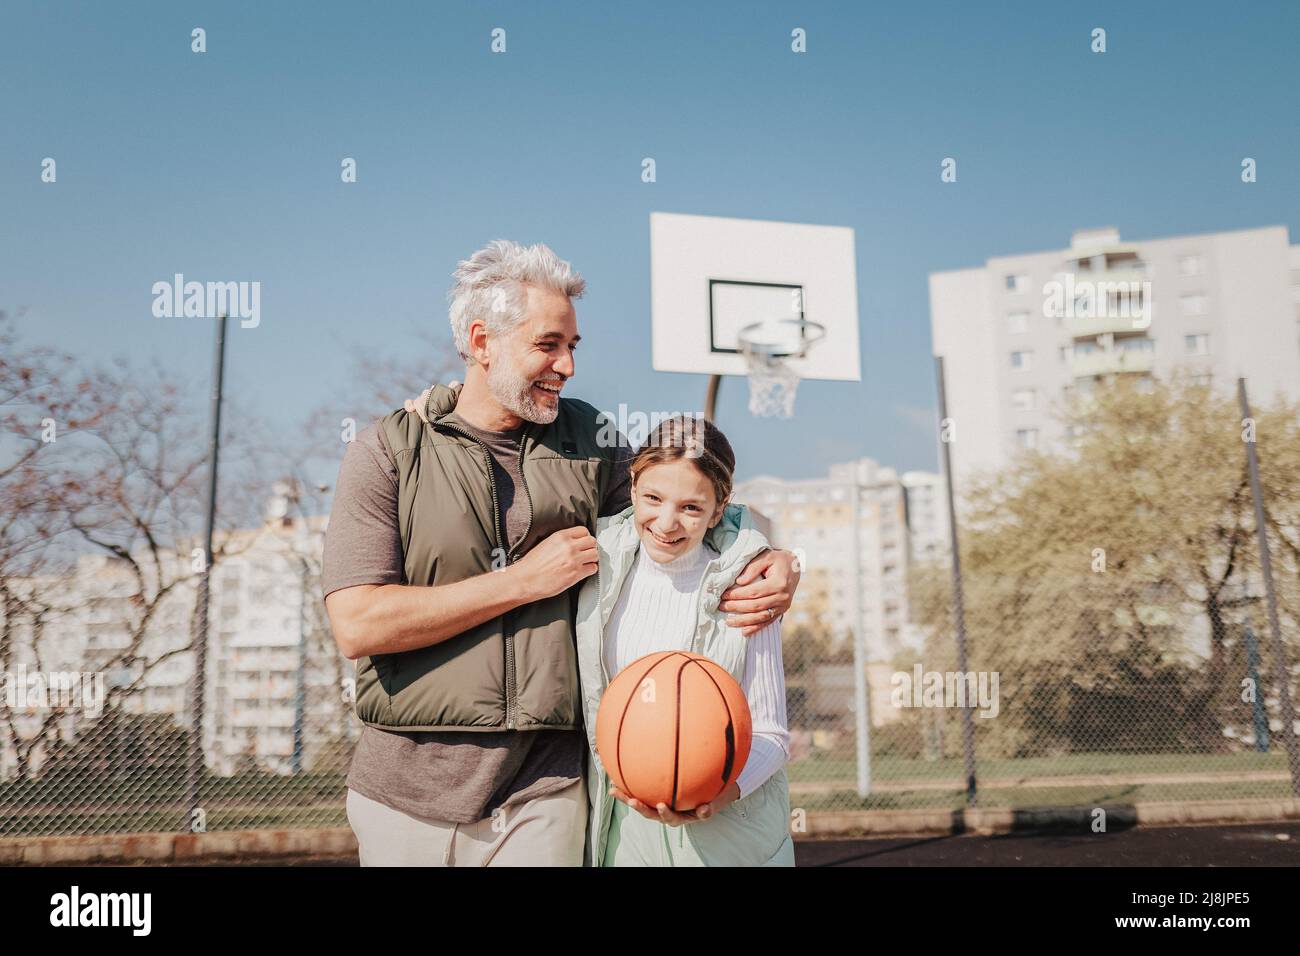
(709, 277)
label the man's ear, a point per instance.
(480, 349)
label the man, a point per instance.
(458, 532)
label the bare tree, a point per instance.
(45, 402)
(123, 478)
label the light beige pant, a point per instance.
(545, 831)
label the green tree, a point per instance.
(1109, 584)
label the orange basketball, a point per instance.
(673, 728)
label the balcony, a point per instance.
(1109, 261)
(249, 717)
(255, 662)
(1111, 361)
(1081, 327)
(1119, 272)
(263, 690)
(1114, 297)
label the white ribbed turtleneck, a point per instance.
(657, 611)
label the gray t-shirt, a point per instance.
(443, 775)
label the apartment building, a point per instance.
(271, 643)
(900, 520)
(1021, 334)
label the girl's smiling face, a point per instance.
(674, 506)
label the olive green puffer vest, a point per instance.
(514, 672)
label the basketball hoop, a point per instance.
(767, 347)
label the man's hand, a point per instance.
(417, 405)
(558, 562)
(767, 584)
(673, 818)
(369, 619)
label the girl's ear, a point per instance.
(717, 514)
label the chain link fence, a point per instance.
(1119, 651)
(1119, 643)
(1105, 717)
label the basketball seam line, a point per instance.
(731, 726)
(618, 732)
(677, 736)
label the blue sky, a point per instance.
(225, 165)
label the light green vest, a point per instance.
(752, 831)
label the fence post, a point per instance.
(862, 704)
(194, 768)
(958, 600)
(1280, 670)
(1258, 711)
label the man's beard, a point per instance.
(515, 394)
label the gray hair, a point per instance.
(490, 287)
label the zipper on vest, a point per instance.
(512, 679)
(600, 626)
(507, 626)
(699, 607)
(601, 619)
(523, 440)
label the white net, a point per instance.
(767, 348)
(772, 385)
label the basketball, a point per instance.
(673, 728)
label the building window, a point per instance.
(1018, 283)
(1017, 322)
(1125, 303)
(1022, 360)
(1193, 304)
(1198, 344)
(1064, 354)
(1027, 438)
(1190, 265)
(1137, 344)
(1203, 379)
(1022, 399)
